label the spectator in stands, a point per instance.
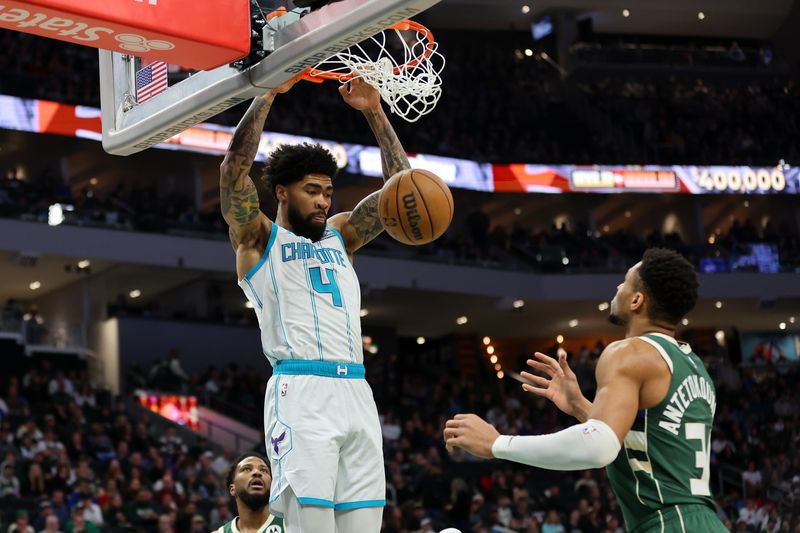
(61, 385)
(751, 514)
(59, 507)
(752, 480)
(21, 525)
(85, 397)
(199, 524)
(9, 485)
(45, 512)
(142, 511)
(18, 407)
(35, 330)
(165, 524)
(221, 513)
(211, 385)
(79, 524)
(552, 523)
(169, 375)
(51, 525)
(91, 511)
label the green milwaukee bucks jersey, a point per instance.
(272, 525)
(664, 461)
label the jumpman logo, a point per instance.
(276, 443)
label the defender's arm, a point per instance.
(622, 372)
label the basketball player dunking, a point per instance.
(322, 430)
(653, 395)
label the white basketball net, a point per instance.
(408, 82)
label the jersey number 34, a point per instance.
(699, 486)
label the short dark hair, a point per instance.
(289, 163)
(670, 283)
(235, 464)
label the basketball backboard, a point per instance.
(291, 44)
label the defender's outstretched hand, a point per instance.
(470, 433)
(562, 388)
(360, 95)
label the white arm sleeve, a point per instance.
(592, 444)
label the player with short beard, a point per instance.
(650, 422)
(248, 482)
(297, 272)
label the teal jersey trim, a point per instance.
(341, 239)
(328, 369)
(359, 505)
(317, 502)
(272, 234)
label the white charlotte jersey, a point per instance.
(307, 299)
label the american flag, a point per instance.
(150, 81)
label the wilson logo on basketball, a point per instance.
(415, 207)
(412, 215)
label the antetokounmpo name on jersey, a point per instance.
(691, 388)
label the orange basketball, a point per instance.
(415, 207)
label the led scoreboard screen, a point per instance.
(40, 116)
(697, 179)
(625, 179)
(684, 179)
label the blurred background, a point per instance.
(574, 134)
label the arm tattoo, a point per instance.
(238, 194)
(239, 200)
(393, 156)
(365, 220)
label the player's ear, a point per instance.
(637, 301)
(281, 193)
(232, 490)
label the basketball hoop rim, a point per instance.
(318, 75)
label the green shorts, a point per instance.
(689, 518)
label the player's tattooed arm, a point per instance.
(363, 224)
(237, 192)
(360, 225)
(364, 219)
(361, 96)
(393, 156)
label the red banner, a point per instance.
(189, 33)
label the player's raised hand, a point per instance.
(282, 88)
(360, 95)
(562, 388)
(470, 433)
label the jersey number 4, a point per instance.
(699, 486)
(331, 287)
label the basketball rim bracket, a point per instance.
(283, 47)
